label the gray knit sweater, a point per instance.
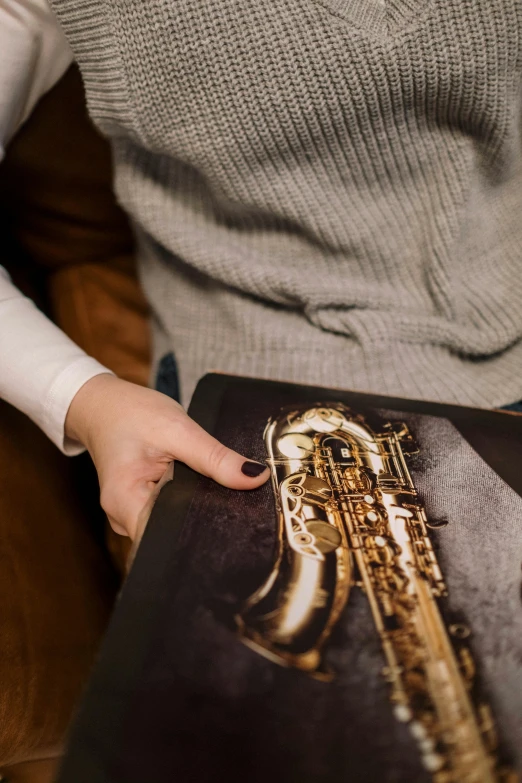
(327, 191)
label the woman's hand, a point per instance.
(133, 434)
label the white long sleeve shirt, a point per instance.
(41, 369)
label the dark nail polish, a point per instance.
(252, 469)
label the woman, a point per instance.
(322, 191)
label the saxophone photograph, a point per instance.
(349, 518)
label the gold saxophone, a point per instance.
(349, 515)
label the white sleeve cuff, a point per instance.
(59, 397)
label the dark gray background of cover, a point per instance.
(206, 708)
(480, 552)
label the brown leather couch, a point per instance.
(66, 243)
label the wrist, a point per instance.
(86, 406)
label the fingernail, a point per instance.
(252, 469)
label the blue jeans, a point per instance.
(515, 406)
(167, 380)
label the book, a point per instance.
(358, 618)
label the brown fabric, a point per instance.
(73, 244)
(33, 772)
(56, 590)
(101, 309)
(68, 244)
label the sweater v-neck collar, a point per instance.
(380, 17)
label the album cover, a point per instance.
(357, 618)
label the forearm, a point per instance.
(41, 369)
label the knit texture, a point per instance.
(325, 191)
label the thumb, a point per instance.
(200, 451)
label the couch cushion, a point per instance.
(66, 242)
(57, 587)
(70, 245)
(71, 237)
(32, 772)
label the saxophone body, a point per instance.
(349, 517)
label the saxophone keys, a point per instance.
(459, 630)
(295, 445)
(467, 665)
(309, 661)
(295, 491)
(432, 762)
(326, 537)
(324, 419)
(402, 713)
(436, 524)
(303, 540)
(418, 730)
(487, 726)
